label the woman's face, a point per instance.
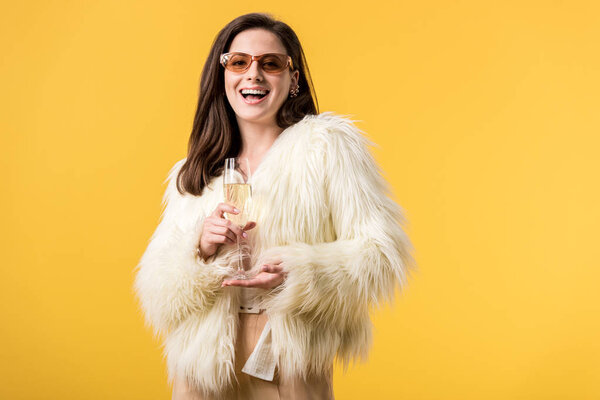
(256, 42)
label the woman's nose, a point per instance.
(254, 71)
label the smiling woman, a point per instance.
(325, 240)
(271, 63)
(275, 86)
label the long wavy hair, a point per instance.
(215, 133)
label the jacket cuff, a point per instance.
(320, 283)
(333, 282)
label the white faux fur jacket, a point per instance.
(322, 207)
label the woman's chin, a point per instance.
(256, 116)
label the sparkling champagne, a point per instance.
(238, 195)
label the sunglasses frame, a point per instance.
(225, 56)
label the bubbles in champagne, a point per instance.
(238, 195)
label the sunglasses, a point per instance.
(271, 63)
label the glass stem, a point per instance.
(240, 266)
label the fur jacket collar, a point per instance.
(322, 207)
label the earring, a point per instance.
(294, 91)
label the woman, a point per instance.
(325, 241)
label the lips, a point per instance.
(255, 100)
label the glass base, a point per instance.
(240, 275)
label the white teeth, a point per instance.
(253, 91)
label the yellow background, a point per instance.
(486, 116)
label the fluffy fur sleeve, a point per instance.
(371, 255)
(171, 281)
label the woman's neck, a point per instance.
(257, 138)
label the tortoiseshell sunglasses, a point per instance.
(271, 63)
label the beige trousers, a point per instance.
(251, 388)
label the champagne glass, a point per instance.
(238, 193)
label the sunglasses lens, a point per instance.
(273, 63)
(238, 62)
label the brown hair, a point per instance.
(215, 133)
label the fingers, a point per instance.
(224, 208)
(273, 269)
(225, 228)
(225, 223)
(218, 230)
(212, 238)
(268, 277)
(243, 282)
(249, 225)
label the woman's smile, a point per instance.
(254, 96)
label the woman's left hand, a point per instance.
(270, 276)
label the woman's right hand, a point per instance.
(217, 230)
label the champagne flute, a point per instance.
(238, 193)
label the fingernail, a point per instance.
(244, 234)
(236, 210)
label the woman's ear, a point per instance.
(295, 77)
